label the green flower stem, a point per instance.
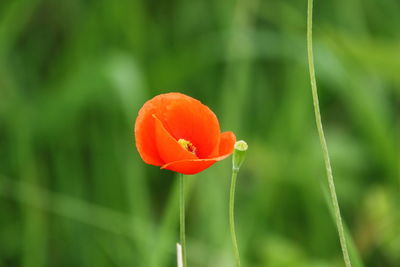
(321, 134)
(182, 217)
(232, 217)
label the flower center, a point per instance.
(187, 145)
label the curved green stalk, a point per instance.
(232, 217)
(321, 134)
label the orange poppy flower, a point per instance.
(179, 133)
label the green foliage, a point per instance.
(73, 74)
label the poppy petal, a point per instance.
(187, 118)
(192, 166)
(168, 148)
(145, 135)
(227, 143)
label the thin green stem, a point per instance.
(182, 217)
(321, 134)
(232, 217)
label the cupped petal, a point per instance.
(227, 143)
(187, 118)
(193, 166)
(145, 135)
(168, 148)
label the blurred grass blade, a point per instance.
(71, 208)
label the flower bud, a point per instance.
(239, 154)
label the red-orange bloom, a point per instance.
(179, 133)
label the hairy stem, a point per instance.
(321, 134)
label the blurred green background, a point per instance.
(74, 73)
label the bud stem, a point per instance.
(239, 154)
(232, 217)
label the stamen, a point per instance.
(187, 145)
